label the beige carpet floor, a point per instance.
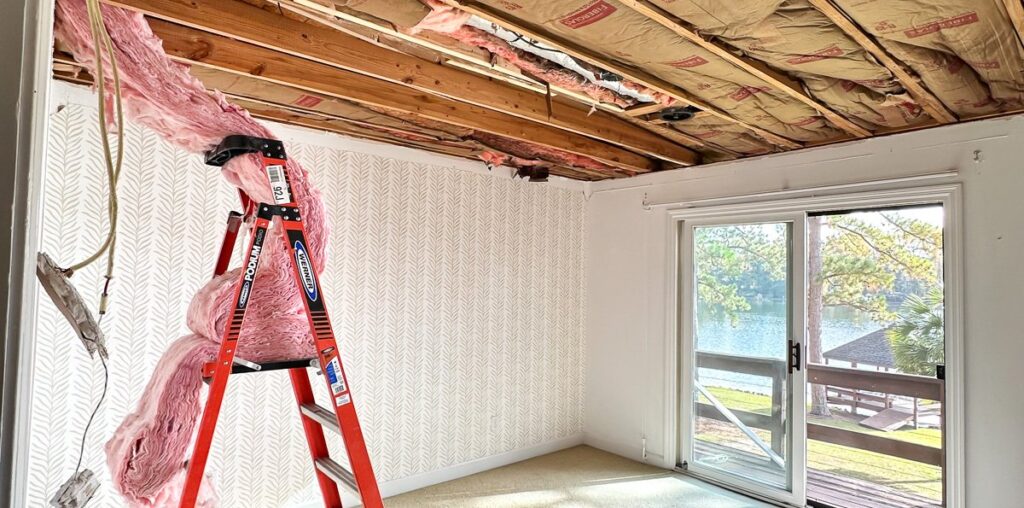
(580, 477)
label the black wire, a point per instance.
(519, 37)
(85, 433)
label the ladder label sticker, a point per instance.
(335, 377)
(341, 400)
(305, 266)
(278, 184)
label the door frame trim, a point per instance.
(28, 44)
(892, 193)
(797, 290)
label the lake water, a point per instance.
(761, 332)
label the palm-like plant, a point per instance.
(917, 337)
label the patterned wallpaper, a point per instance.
(457, 296)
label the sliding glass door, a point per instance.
(742, 326)
(819, 349)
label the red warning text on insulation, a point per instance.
(588, 14)
(942, 24)
(686, 63)
(829, 52)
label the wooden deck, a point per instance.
(823, 488)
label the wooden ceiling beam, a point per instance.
(446, 51)
(924, 97)
(631, 74)
(238, 20)
(291, 115)
(274, 114)
(195, 47)
(776, 79)
(645, 109)
(1015, 9)
(469, 60)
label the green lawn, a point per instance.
(909, 476)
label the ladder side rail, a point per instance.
(330, 362)
(314, 436)
(225, 359)
(308, 284)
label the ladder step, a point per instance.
(321, 415)
(241, 366)
(337, 472)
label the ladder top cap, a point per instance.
(238, 144)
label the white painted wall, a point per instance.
(628, 251)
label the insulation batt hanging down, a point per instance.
(147, 452)
(546, 64)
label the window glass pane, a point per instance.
(875, 311)
(741, 332)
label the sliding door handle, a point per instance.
(794, 357)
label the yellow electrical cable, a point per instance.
(103, 44)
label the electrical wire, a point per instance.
(96, 409)
(103, 44)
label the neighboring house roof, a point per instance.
(871, 349)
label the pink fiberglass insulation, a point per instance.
(536, 66)
(146, 455)
(530, 151)
(450, 21)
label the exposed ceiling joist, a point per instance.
(928, 101)
(466, 59)
(196, 47)
(644, 109)
(252, 24)
(66, 69)
(1016, 11)
(776, 79)
(270, 109)
(640, 77)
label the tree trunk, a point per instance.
(815, 303)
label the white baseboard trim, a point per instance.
(419, 481)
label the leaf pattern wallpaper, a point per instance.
(457, 298)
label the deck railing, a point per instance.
(852, 379)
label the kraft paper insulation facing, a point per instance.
(794, 37)
(623, 35)
(147, 452)
(965, 51)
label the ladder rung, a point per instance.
(320, 415)
(337, 472)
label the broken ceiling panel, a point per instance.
(966, 51)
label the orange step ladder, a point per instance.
(342, 419)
